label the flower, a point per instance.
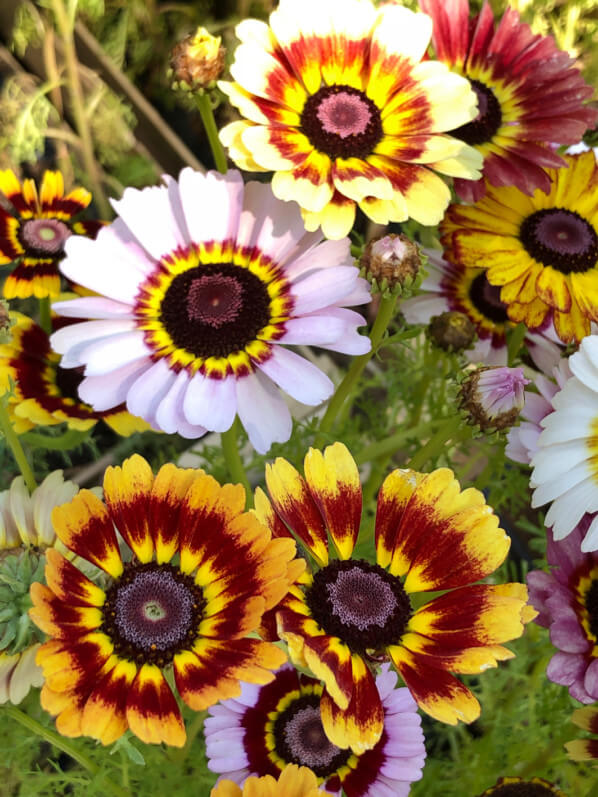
(392, 263)
(198, 60)
(199, 576)
(529, 92)
(452, 287)
(33, 232)
(566, 463)
(340, 106)
(567, 601)
(26, 532)
(44, 393)
(584, 749)
(541, 250)
(522, 440)
(520, 787)
(294, 781)
(267, 727)
(204, 284)
(493, 397)
(349, 613)
(451, 331)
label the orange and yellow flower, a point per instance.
(350, 613)
(293, 781)
(198, 575)
(340, 106)
(584, 749)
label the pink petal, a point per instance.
(210, 403)
(263, 412)
(297, 376)
(211, 204)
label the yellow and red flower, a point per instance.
(33, 232)
(542, 250)
(293, 781)
(584, 749)
(44, 393)
(513, 786)
(350, 614)
(530, 94)
(340, 106)
(199, 575)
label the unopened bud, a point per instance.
(391, 263)
(5, 322)
(197, 61)
(492, 398)
(452, 331)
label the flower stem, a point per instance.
(351, 378)
(204, 106)
(66, 746)
(390, 444)
(45, 316)
(450, 431)
(14, 443)
(234, 463)
(65, 25)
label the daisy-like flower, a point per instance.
(204, 284)
(522, 440)
(44, 393)
(452, 287)
(523, 787)
(584, 749)
(340, 106)
(542, 250)
(268, 727)
(34, 229)
(529, 94)
(566, 463)
(348, 614)
(567, 601)
(294, 781)
(493, 397)
(26, 532)
(199, 575)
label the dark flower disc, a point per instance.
(43, 237)
(484, 127)
(486, 299)
(560, 238)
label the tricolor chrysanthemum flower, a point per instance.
(349, 614)
(566, 463)
(268, 727)
(493, 397)
(195, 580)
(26, 532)
(44, 393)
(523, 787)
(294, 781)
(340, 106)
(529, 92)
(584, 749)
(204, 284)
(542, 250)
(567, 601)
(34, 230)
(451, 287)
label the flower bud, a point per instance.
(493, 397)
(197, 61)
(451, 331)
(391, 263)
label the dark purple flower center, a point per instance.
(44, 237)
(360, 603)
(151, 612)
(342, 122)
(523, 789)
(591, 602)
(300, 739)
(489, 118)
(486, 299)
(215, 310)
(560, 238)
(68, 381)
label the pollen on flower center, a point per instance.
(342, 122)
(486, 299)
(488, 120)
(360, 603)
(44, 237)
(560, 238)
(215, 300)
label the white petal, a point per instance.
(297, 376)
(590, 541)
(107, 354)
(568, 509)
(149, 389)
(582, 366)
(322, 288)
(210, 402)
(109, 390)
(263, 412)
(557, 460)
(360, 294)
(93, 307)
(71, 340)
(559, 429)
(553, 488)
(420, 309)
(325, 255)
(402, 32)
(211, 204)
(312, 330)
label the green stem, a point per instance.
(178, 756)
(45, 316)
(65, 26)
(451, 430)
(351, 378)
(63, 744)
(204, 106)
(390, 444)
(64, 442)
(14, 443)
(234, 463)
